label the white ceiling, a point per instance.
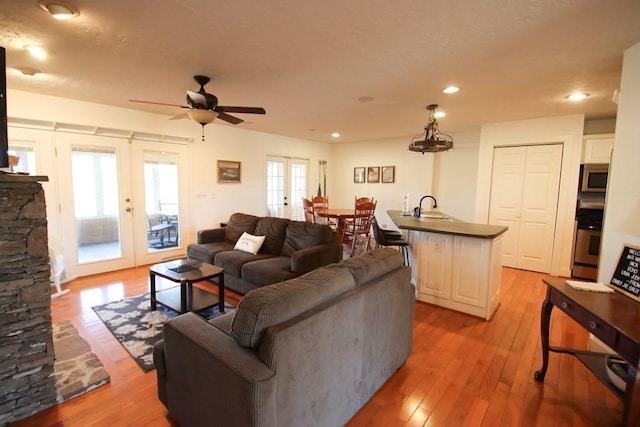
(308, 63)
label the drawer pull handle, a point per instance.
(564, 304)
(593, 325)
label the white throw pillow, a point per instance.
(249, 243)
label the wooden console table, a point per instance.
(614, 319)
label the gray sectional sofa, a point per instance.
(309, 351)
(290, 249)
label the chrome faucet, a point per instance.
(435, 204)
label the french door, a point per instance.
(121, 202)
(287, 183)
(96, 203)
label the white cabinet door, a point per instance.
(470, 273)
(597, 148)
(460, 273)
(524, 197)
(434, 256)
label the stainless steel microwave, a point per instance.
(594, 178)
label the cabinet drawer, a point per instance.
(593, 324)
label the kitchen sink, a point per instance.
(433, 215)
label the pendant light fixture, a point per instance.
(432, 140)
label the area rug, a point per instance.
(138, 328)
(76, 369)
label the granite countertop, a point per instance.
(19, 178)
(449, 226)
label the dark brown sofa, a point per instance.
(291, 249)
(310, 351)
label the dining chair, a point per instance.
(364, 199)
(320, 203)
(390, 238)
(307, 205)
(357, 231)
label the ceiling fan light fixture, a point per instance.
(204, 117)
(432, 140)
(59, 10)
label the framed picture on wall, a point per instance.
(228, 171)
(388, 174)
(358, 175)
(373, 174)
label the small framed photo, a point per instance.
(373, 174)
(228, 171)
(358, 175)
(388, 174)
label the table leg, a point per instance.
(340, 230)
(632, 399)
(544, 333)
(183, 297)
(152, 283)
(221, 293)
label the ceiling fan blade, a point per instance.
(197, 100)
(180, 116)
(229, 118)
(157, 103)
(247, 110)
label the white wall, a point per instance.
(622, 213)
(566, 130)
(209, 202)
(448, 176)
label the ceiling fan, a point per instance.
(203, 107)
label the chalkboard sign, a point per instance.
(626, 276)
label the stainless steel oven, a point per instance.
(586, 250)
(587, 247)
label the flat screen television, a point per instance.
(4, 138)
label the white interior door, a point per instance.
(524, 197)
(287, 183)
(506, 198)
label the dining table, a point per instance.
(339, 215)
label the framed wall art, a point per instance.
(228, 171)
(388, 174)
(373, 174)
(358, 175)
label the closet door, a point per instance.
(524, 197)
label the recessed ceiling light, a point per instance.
(439, 114)
(366, 99)
(335, 135)
(58, 9)
(36, 51)
(577, 96)
(451, 89)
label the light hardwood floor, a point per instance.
(463, 371)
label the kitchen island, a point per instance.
(454, 264)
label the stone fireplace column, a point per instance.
(27, 384)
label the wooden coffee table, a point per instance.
(186, 297)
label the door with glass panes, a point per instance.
(287, 183)
(103, 195)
